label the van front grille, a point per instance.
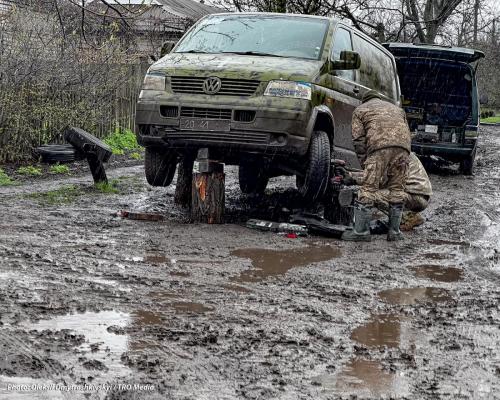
(206, 113)
(229, 87)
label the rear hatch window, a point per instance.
(437, 85)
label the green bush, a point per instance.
(487, 114)
(136, 155)
(121, 141)
(29, 170)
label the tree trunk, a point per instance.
(208, 197)
(183, 186)
(477, 4)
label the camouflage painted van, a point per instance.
(271, 93)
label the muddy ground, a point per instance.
(186, 311)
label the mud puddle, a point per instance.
(365, 378)
(183, 307)
(267, 263)
(438, 273)
(382, 330)
(101, 332)
(417, 295)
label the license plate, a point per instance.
(198, 124)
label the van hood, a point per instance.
(458, 54)
(234, 66)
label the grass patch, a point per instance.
(136, 155)
(5, 180)
(59, 169)
(495, 119)
(63, 195)
(121, 141)
(108, 188)
(29, 170)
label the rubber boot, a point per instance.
(360, 232)
(395, 215)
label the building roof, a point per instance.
(179, 8)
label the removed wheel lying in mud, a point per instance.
(159, 165)
(313, 184)
(58, 153)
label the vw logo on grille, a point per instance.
(212, 85)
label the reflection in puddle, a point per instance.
(364, 378)
(94, 326)
(268, 262)
(237, 288)
(408, 296)
(438, 273)
(383, 330)
(190, 307)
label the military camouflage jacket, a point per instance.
(378, 124)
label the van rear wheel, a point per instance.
(467, 165)
(313, 184)
(159, 165)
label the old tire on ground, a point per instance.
(253, 177)
(159, 165)
(58, 153)
(313, 185)
(467, 165)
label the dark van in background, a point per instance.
(440, 97)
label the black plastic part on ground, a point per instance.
(87, 143)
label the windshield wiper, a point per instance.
(252, 53)
(193, 51)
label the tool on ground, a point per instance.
(269, 226)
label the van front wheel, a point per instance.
(313, 185)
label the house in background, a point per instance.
(152, 22)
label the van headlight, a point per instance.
(154, 81)
(296, 90)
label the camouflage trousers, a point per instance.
(387, 167)
(412, 202)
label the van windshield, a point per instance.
(278, 36)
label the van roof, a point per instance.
(411, 50)
(275, 15)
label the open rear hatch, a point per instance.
(437, 85)
(437, 52)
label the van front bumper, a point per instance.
(272, 131)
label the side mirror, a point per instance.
(348, 60)
(166, 48)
